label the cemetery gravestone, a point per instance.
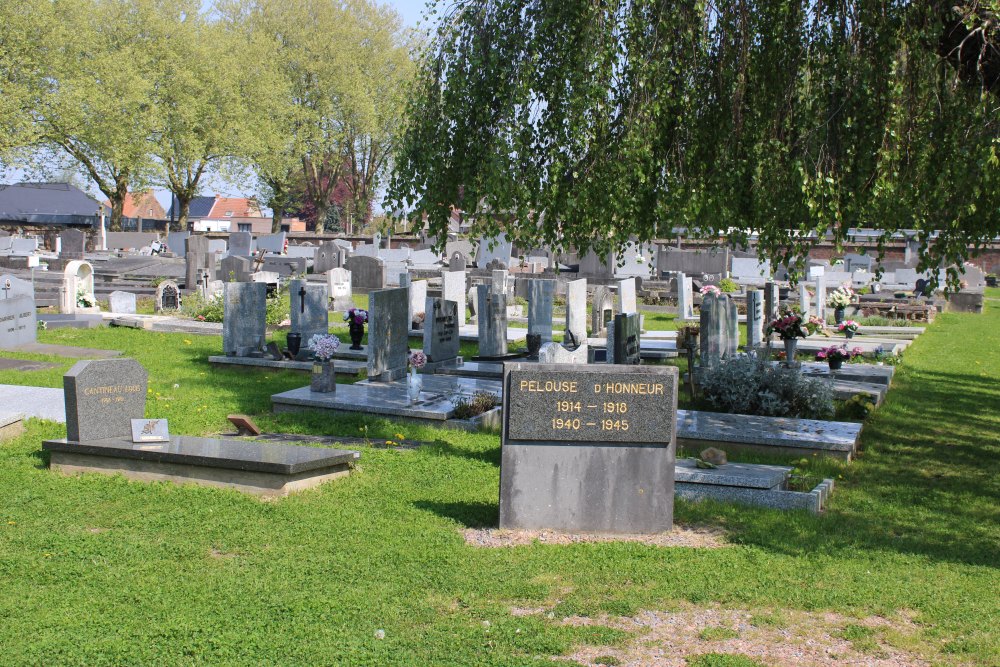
(576, 311)
(240, 244)
(771, 303)
(588, 448)
(177, 243)
(441, 340)
(339, 285)
(500, 251)
(623, 345)
(602, 311)
(755, 319)
(417, 301)
(18, 321)
(11, 286)
(327, 257)
(122, 302)
(77, 288)
(309, 314)
(272, 243)
(236, 269)
(733, 329)
(714, 329)
(453, 289)
(102, 397)
(492, 321)
(457, 261)
(502, 282)
(244, 326)
(821, 296)
(685, 297)
(804, 301)
(367, 273)
(388, 335)
(627, 302)
(73, 243)
(168, 296)
(197, 257)
(751, 270)
(540, 298)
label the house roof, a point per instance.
(217, 206)
(46, 203)
(138, 205)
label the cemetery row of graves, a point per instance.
(416, 407)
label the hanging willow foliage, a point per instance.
(582, 123)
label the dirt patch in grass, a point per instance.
(673, 639)
(694, 536)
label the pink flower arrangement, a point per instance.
(710, 289)
(417, 358)
(815, 324)
(848, 325)
(356, 315)
(836, 352)
(323, 346)
(787, 327)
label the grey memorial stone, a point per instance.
(602, 311)
(441, 335)
(18, 321)
(490, 250)
(771, 303)
(804, 304)
(492, 320)
(338, 282)
(502, 283)
(197, 257)
(168, 296)
(732, 329)
(244, 326)
(627, 302)
(458, 261)
(240, 244)
(685, 297)
(309, 314)
(588, 448)
(102, 397)
(328, 256)
(285, 266)
(541, 294)
(453, 289)
(576, 311)
(821, 296)
(122, 302)
(236, 269)
(623, 345)
(755, 319)
(272, 242)
(713, 329)
(367, 273)
(177, 243)
(72, 244)
(388, 334)
(11, 286)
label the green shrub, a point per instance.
(212, 310)
(750, 386)
(481, 401)
(728, 285)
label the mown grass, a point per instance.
(97, 570)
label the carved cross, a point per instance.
(302, 299)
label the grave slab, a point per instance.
(340, 366)
(38, 402)
(11, 426)
(266, 470)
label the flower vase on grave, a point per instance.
(534, 342)
(838, 314)
(835, 363)
(294, 343)
(357, 331)
(848, 333)
(324, 378)
(791, 345)
(414, 385)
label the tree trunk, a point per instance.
(322, 207)
(117, 213)
(183, 206)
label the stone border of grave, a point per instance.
(748, 484)
(11, 426)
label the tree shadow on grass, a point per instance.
(490, 455)
(469, 514)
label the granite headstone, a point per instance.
(121, 302)
(388, 334)
(541, 294)
(441, 341)
(244, 326)
(103, 396)
(308, 312)
(576, 311)
(491, 316)
(453, 289)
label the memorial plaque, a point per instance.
(18, 321)
(588, 448)
(150, 430)
(441, 341)
(591, 406)
(102, 397)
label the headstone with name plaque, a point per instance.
(441, 341)
(588, 448)
(103, 396)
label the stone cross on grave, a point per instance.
(302, 298)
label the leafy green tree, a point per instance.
(586, 124)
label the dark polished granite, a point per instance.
(213, 453)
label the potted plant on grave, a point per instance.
(839, 300)
(789, 328)
(356, 319)
(414, 383)
(816, 324)
(848, 328)
(323, 347)
(836, 355)
(84, 300)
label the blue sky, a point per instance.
(410, 10)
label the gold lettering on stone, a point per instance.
(113, 389)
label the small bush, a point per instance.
(481, 401)
(212, 310)
(750, 386)
(728, 286)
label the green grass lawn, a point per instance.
(100, 571)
